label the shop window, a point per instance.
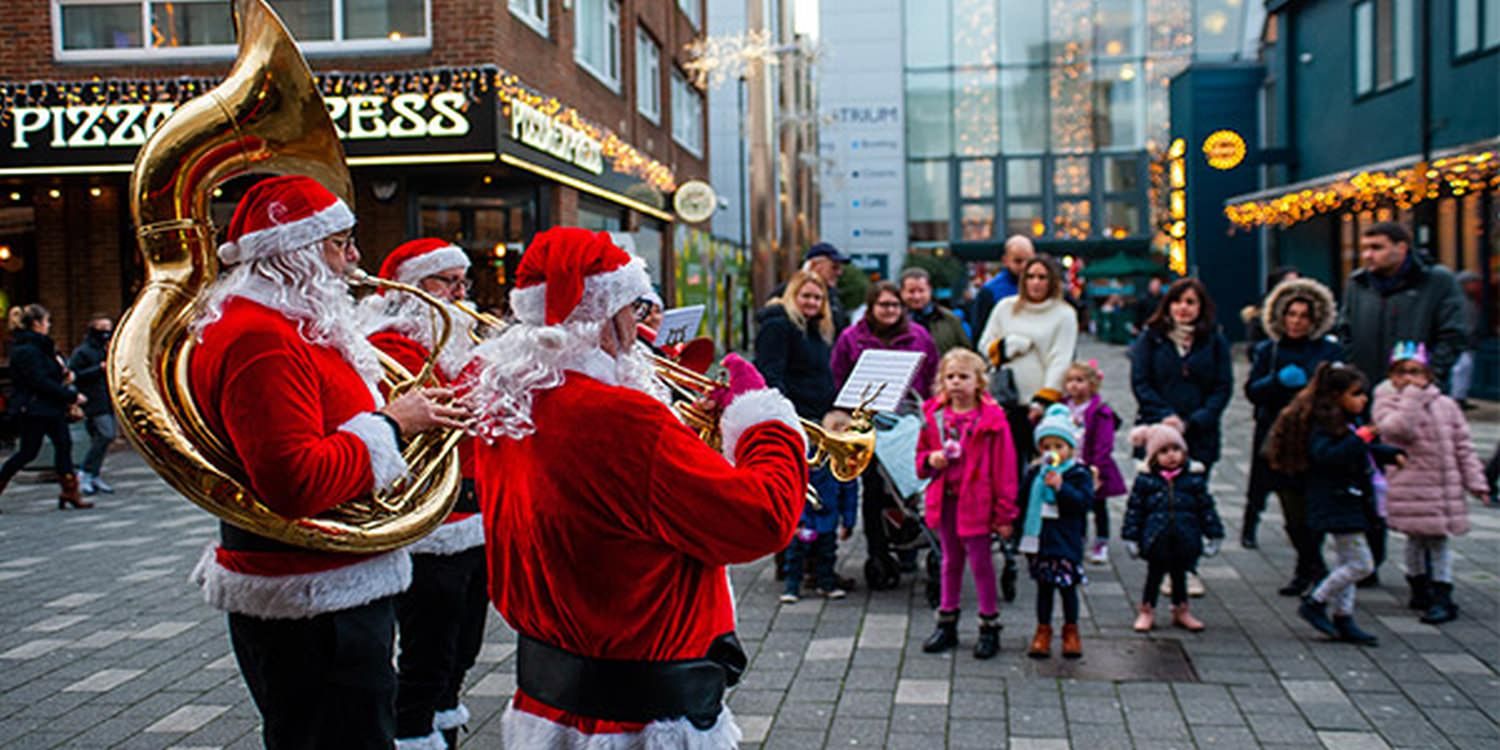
(929, 114)
(1023, 177)
(1220, 27)
(597, 46)
(1023, 31)
(928, 200)
(1383, 42)
(1025, 218)
(599, 215)
(1119, 111)
(1122, 174)
(693, 11)
(127, 29)
(1072, 220)
(1070, 175)
(647, 76)
(687, 114)
(531, 12)
(1476, 26)
(976, 179)
(929, 39)
(1121, 219)
(977, 221)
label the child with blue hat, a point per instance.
(1057, 493)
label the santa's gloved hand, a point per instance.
(743, 378)
(1132, 549)
(1211, 547)
(1291, 376)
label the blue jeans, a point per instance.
(822, 552)
(101, 434)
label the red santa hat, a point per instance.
(280, 215)
(571, 275)
(417, 259)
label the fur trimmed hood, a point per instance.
(1324, 310)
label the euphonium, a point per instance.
(267, 117)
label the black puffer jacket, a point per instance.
(1423, 304)
(794, 361)
(1340, 493)
(1170, 518)
(87, 364)
(37, 375)
(1195, 388)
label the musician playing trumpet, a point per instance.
(288, 384)
(441, 617)
(609, 522)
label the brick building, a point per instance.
(482, 121)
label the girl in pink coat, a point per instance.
(965, 449)
(1425, 500)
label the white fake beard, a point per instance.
(412, 317)
(634, 370)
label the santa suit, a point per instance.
(442, 615)
(610, 528)
(311, 630)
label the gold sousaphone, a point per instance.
(265, 117)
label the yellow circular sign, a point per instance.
(695, 201)
(1225, 149)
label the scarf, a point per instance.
(1040, 494)
(1182, 336)
(1386, 285)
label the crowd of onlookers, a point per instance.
(1359, 428)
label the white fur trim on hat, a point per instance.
(386, 461)
(753, 408)
(452, 718)
(432, 262)
(524, 731)
(433, 741)
(301, 595)
(604, 294)
(287, 237)
(451, 538)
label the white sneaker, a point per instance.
(102, 486)
(833, 593)
(1099, 555)
(86, 483)
(789, 599)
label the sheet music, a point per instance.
(885, 370)
(679, 325)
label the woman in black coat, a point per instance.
(1181, 366)
(42, 395)
(793, 343)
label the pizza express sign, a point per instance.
(442, 122)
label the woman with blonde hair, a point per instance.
(793, 343)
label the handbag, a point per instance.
(1003, 386)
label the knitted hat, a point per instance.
(417, 259)
(1157, 437)
(280, 215)
(1057, 422)
(572, 275)
(1415, 351)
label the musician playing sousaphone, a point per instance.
(609, 522)
(288, 383)
(441, 617)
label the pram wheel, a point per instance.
(882, 573)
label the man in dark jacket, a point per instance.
(87, 364)
(946, 329)
(1399, 296)
(1018, 250)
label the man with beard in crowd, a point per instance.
(287, 382)
(609, 522)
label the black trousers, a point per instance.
(1307, 542)
(324, 681)
(1155, 572)
(442, 628)
(874, 497)
(33, 429)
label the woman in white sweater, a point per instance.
(1034, 333)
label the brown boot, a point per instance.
(1184, 619)
(1072, 645)
(1041, 643)
(69, 496)
(1146, 619)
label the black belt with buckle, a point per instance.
(631, 691)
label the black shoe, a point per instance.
(1346, 630)
(1371, 581)
(989, 638)
(1247, 531)
(945, 636)
(450, 736)
(781, 565)
(1441, 609)
(1316, 614)
(1421, 594)
(1296, 587)
(845, 582)
(1008, 581)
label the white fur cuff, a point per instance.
(431, 263)
(524, 731)
(386, 461)
(432, 741)
(452, 718)
(300, 595)
(752, 408)
(284, 238)
(604, 294)
(451, 538)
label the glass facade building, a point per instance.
(1040, 117)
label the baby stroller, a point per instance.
(902, 530)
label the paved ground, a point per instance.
(103, 643)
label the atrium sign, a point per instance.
(540, 131)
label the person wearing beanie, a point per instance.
(1425, 500)
(1168, 517)
(290, 386)
(441, 617)
(609, 523)
(1055, 499)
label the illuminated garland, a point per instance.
(1452, 176)
(474, 82)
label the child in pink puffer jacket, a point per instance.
(1425, 500)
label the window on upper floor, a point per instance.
(1383, 44)
(158, 29)
(687, 114)
(647, 76)
(531, 12)
(1476, 26)
(694, 11)
(597, 45)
